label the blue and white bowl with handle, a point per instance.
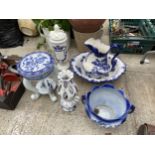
(77, 67)
(107, 106)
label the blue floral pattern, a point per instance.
(62, 49)
(36, 65)
(77, 67)
(59, 48)
(101, 66)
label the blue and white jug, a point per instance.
(97, 61)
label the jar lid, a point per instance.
(57, 34)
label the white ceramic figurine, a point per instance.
(67, 89)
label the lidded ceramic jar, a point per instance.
(59, 43)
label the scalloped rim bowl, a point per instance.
(107, 106)
(77, 67)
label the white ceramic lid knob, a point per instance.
(57, 35)
(56, 27)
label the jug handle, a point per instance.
(113, 61)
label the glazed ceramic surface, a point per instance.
(77, 66)
(96, 67)
(97, 62)
(67, 89)
(36, 65)
(59, 43)
(45, 86)
(107, 106)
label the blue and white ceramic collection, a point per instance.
(36, 65)
(78, 68)
(107, 106)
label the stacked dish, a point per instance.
(107, 106)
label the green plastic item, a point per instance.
(134, 44)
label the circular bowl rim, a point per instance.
(91, 80)
(123, 116)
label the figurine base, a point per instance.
(69, 109)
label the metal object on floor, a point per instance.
(145, 55)
(146, 129)
(11, 87)
(9, 79)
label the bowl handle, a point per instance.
(123, 120)
(83, 98)
(131, 109)
(130, 105)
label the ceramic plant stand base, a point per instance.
(67, 90)
(38, 66)
(42, 87)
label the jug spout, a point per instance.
(97, 46)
